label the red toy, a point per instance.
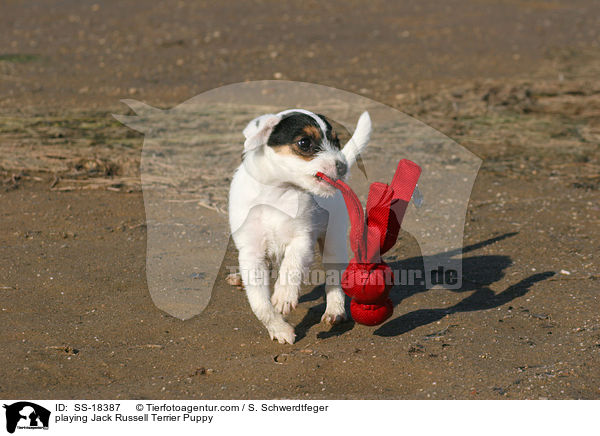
(368, 279)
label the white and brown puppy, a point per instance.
(279, 209)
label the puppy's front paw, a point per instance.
(282, 332)
(284, 299)
(333, 318)
(335, 311)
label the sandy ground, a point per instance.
(515, 83)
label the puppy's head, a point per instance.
(293, 146)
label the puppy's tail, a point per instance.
(359, 139)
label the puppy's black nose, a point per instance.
(341, 168)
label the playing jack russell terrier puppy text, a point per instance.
(279, 210)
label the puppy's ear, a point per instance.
(359, 139)
(258, 130)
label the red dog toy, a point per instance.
(368, 279)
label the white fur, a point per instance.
(278, 210)
(359, 139)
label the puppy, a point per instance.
(279, 209)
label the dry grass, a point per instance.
(521, 128)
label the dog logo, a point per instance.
(26, 415)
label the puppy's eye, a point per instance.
(304, 144)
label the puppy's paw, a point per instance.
(335, 312)
(284, 307)
(333, 318)
(284, 299)
(282, 332)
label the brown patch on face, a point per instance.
(313, 133)
(298, 133)
(338, 134)
(293, 150)
(334, 140)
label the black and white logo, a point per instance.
(26, 415)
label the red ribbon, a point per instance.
(375, 235)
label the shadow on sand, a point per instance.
(479, 272)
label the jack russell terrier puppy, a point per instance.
(279, 209)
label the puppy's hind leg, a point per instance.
(335, 259)
(255, 275)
